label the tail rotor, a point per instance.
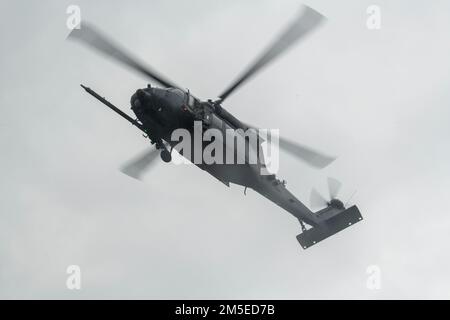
(318, 201)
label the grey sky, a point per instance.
(377, 99)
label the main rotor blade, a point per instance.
(307, 21)
(333, 187)
(93, 38)
(136, 167)
(310, 156)
(316, 200)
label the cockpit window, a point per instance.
(175, 96)
(177, 91)
(191, 101)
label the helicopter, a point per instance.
(162, 110)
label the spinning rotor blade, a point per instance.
(333, 187)
(349, 199)
(310, 156)
(136, 167)
(91, 37)
(316, 200)
(307, 21)
(306, 154)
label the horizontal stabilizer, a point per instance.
(333, 225)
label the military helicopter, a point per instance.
(161, 110)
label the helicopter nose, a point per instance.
(135, 102)
(143, 95)
(140, 93)
(140, 99)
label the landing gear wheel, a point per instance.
(166, 156)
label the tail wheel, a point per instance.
(166, 156)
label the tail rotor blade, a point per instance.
(316, 200)
(333, 187)
(137, 166)
(349, 199)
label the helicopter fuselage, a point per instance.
(161, 111)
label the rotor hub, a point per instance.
(336, 203)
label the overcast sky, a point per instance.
(378, 99)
